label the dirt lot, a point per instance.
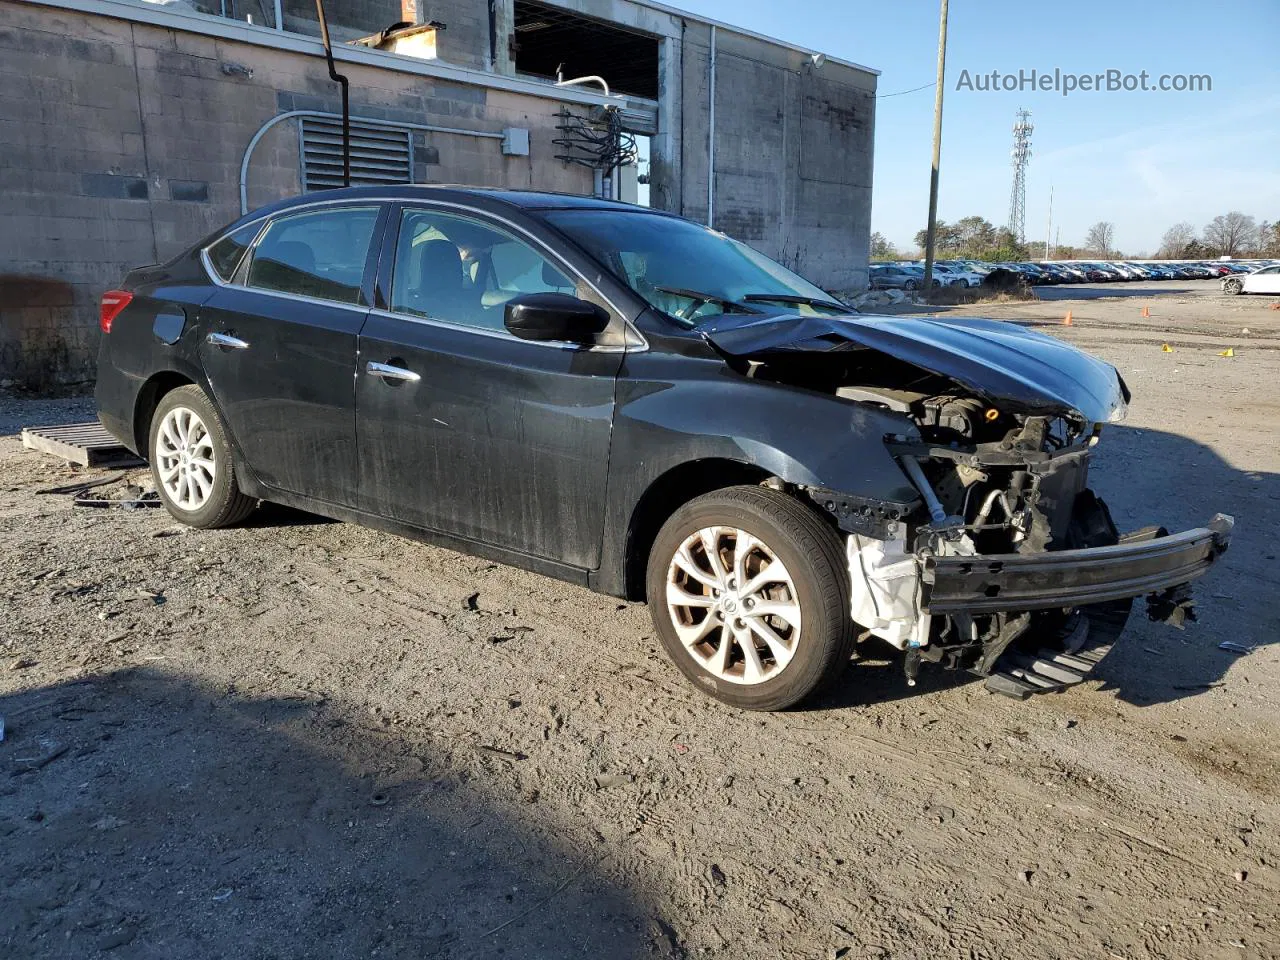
(306, 739)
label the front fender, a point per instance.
(673, 411)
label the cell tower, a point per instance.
(1021, 155)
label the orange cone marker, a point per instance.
(1066, 321)
(1146, 311)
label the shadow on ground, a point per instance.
(144, 815)
(1154, 477)
(1105, 291)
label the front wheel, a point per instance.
(749, 593)
(191, 462)
(1233, 286)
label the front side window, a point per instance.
(462, 271)
(688, 271)
(321, 253)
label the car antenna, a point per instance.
(346, 103)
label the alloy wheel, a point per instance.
(185, 459)
(734, 605)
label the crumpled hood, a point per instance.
(1000, 362)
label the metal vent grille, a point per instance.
(378, 154)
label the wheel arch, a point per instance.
(149, 397)
(666, 494)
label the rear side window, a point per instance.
(317, 254)
(226, 254)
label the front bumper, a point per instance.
(1136, 566)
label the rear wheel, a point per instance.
(191, 461)
(908, 285)
(749, 593)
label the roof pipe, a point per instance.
(711, 135)
(346, 101)
(578, 81)
(320, 114)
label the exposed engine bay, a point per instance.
(1007, 564)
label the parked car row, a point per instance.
(909, 275)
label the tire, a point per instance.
(1233, 287)
(211, 498)
(814, 639)
(909, 285)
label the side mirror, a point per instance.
(554, 316)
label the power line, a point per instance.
(926, 86)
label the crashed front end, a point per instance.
(1012, 568)
(1007, 565)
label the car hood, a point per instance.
(1000, 362)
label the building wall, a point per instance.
(122, 146)
(793, 153)
(793, 141)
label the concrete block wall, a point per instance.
(123, 142)
(793, 152)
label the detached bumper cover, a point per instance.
(1071, 578)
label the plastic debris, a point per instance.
(78, 487)
(148, 499)
(1165, 348)
(1232, 647)
(607, 780)
(499, 753)
(1229, 352)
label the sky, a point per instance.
(1141, 160)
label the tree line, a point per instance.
(1232, 234)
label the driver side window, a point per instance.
(461, 271)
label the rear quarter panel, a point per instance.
(154, 335)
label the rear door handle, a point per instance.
(388, 372)
(224, 340)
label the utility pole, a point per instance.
(931, 234)
(1048, 230)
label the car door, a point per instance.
(279, 347)
(1266, 280)
(462, 427)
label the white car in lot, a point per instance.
(955, 275)
(1266, 280)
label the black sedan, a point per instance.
(634, 402)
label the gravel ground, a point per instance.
(306, 739)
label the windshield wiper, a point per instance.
(694, 295)
(796, 298)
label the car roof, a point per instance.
(523, 199)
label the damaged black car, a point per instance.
(636, 403)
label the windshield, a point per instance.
(688, 271)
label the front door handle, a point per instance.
(388, 372)
(224, 340)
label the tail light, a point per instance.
(113, 301)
